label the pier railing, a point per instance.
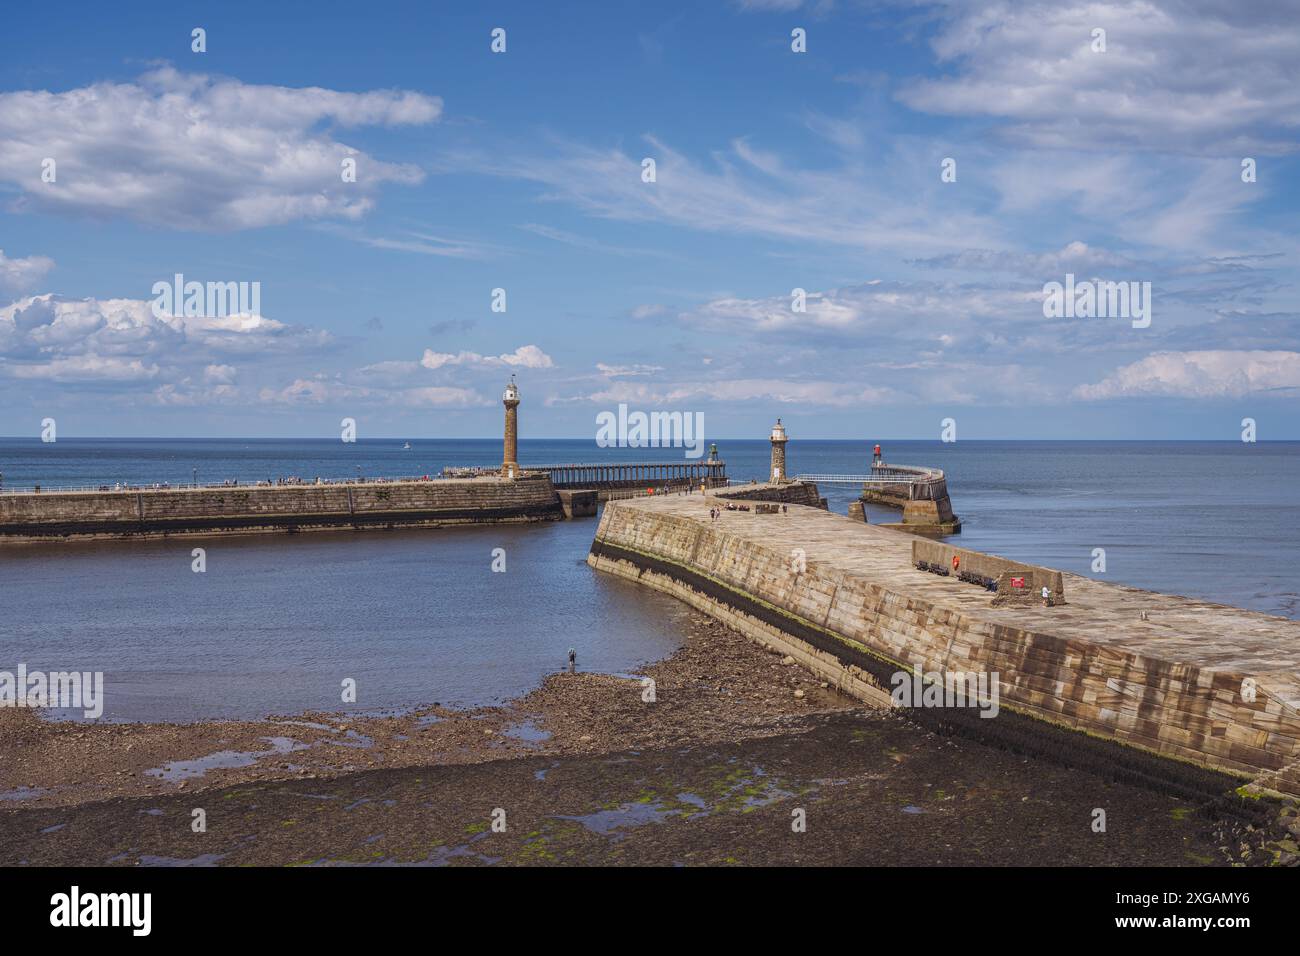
(902, 481)
(634, 474)
(921, 484)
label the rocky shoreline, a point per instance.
(586, 769)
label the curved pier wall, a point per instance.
(241, 509)
(1138, 717)
(794, 493)
(921, 493)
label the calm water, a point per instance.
(415, 617)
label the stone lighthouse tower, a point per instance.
(510, 460)
(778, 440)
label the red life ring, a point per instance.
(956, 562)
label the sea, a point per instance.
(277, 623)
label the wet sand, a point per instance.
(715, 771)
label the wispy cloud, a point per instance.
(746, 190)
(1207, 77)
(420, 243)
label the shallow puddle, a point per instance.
(224, 760)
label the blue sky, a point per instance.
(775, 170)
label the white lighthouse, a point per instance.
(510, 459)
(778, 439)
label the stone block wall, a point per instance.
(1138, 708)
(277, 508)
(792, 493)
(938, 555)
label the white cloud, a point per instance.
(764, 6)
(420, 243)
(19, 275)
(1207, 374)
(310, 391)
(50, 325)
(185, 394)
(888, 201)
(85, 368)
(1075, 256)
(649, 311)
(1200, 76)
(591, 245)
(324, 390)
(441, 396)
(783, 391)
(526, 356)
(390, 373)
(189, 151)
(874, 308)
(120, 343)
(622, 371)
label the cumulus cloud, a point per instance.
(19, 275)
(1207, 374)
(526, 356)
(121, 344)
(49, 327)
(189, 151)
(120, 347)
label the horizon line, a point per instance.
(498, 438)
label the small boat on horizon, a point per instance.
(406, 446)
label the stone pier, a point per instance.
(922, 494)
(1197, 698)
(489, 499)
